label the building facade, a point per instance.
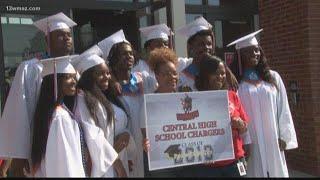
(290, 39)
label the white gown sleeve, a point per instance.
(149, 83)
(16, 120)
(132, 154)
(287, 131)
(101, 151)
(129, 153)
(140, 66)
(63, 153)
(183, 63)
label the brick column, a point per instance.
(291, 41)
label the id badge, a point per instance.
(242, 170)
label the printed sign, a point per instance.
(228, 57)
(188, 128)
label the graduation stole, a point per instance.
(134, 86)
(251, 74)
(85, 155)
(191, 71)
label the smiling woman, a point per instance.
(212, 76)
(131, 87)
(164, 62)
(94, 108)
(264, 96)
(56, 132)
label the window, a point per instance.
(14, 20)
(21, 41)
(86, 36)
(193, 2)
(218, 34)
(143, 21)
(26, 21)
(191, 17)
(4, 20)
(214, 2)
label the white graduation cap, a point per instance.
(92, 50)
(86, 62)
(194, 27)
(156, 31)
(54, 22)
(106, 44)
(245, 41)
(58, 65)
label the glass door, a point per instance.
(228, 30)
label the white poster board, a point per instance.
(188, 128)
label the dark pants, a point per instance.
(201, 170)
(188, 171)
(171, 172)
(230, 170)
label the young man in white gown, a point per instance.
(16, 128)
(118, 52)
(157, 36)
(200, 40)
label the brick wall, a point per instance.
(314, 64)
(291, 41)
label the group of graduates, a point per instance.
(82, 115)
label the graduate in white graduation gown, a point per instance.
(265, 100)
(16, 128)
(63, 145)
(22, 98)
(63, 157)
(107, 129)
(93, 107)
(157, 36)
(271, 119)
(200, 40)
(143, 84)
(119, 54)
(63, 150)
(128, 154)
